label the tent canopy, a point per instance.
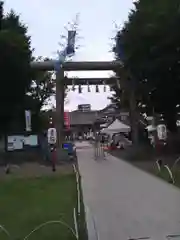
(103, 125)
(116, 127)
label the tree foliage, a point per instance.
(42, 88)
(15, 69)
(149, 45)
(21, 87)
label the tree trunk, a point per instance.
(133, 117)
(170, 118)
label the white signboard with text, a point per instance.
(17, 142)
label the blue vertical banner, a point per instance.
(71, 42)
(70, 49)
(28, 120)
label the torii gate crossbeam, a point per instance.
(78, 66)
(50, 65)
(90, 81)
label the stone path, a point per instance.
(124, 202)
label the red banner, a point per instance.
(67, 120)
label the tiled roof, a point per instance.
(88, 118)
(83, 118)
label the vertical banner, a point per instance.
(71, 42)
(67, 120)
(28, 120)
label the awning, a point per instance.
(116, 127)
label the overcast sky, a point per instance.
(46, 20)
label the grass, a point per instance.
(82, 221)
(165, 176)
(144, 158)
(27, 203)
(177, 178)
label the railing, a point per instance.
(99, 152)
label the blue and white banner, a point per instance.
(28, 120)
(71, 42)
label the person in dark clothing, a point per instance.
(102, 139)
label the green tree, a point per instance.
(41, 90)
(15, 68)
(151, 51)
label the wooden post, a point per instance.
(60, 107)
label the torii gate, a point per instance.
(62, 81)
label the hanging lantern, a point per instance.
(111, 88)
(97, 89)
(73, 86)
(162, 132)
(88, 87)
(80, 89)
(104, 86)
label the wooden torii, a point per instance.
(61, 81)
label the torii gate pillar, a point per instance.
(60, 107)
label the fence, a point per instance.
(167, 172)
(77, 219)
(99, 152)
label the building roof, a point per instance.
(88, 118)
(82, 118)
(79, 117)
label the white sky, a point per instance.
(46, 21)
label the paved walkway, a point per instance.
(125, 202)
